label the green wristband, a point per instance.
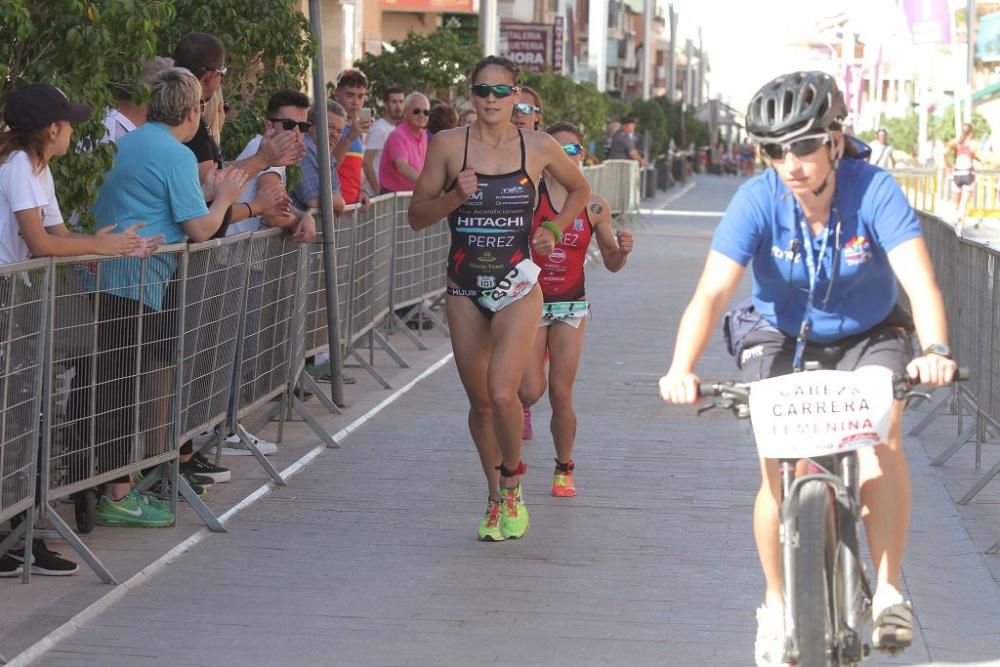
(554, 228)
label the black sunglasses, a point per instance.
(798, 147)
(288, 124)
(417, 112)
(499, 91)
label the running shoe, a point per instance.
(562, 480)
(489, 527)
(133, 511)
(893, 628)
(10, 567)
(234, 446)
(514, 515)
(46, 562)
(528, 433)
(769, 647)
(199, 465)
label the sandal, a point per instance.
(894, 628)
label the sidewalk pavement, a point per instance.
(369, 556)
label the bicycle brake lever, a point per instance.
(916, 394)
(708, 406)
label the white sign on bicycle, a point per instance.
(817, 413)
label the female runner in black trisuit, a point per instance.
(483, 179)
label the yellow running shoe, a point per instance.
(514, 515)
(562, 480)
(489, 527)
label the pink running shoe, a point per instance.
(528, 433)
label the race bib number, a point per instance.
(565, 310)
(511, 287)
(818, 413)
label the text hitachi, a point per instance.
(484, 221)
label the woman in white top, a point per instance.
(38, 117)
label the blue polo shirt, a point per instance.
(761, 225)
(154, 180)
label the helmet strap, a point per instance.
(836, 153)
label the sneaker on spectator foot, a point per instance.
(45, 562)
(9, 567)
(134, 510)
(233, 445)
(528, 433)
(200, 466)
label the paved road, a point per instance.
(369, 557)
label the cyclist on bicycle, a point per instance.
(828, 236)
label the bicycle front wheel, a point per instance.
(814, 562)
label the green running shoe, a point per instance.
(489, 527)
(134, 511)
(514, 515)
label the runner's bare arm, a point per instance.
(430, 204)
(614, 247)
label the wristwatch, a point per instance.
(939, 349)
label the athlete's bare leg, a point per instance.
(472, 343)
(565, 349)
(533, 384)
(513, 329)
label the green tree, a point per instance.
(81, 46)
(942, 128)
(653, 119)
(566, 100)
(436, 64)
(269, 46)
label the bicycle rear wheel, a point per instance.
(813, 576)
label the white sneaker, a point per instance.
(769, 647)
(233, 445)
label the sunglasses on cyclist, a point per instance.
(572, 149)
(524, 108)
(799, 147)
(417, 112)
(288, 124)
(499, 90)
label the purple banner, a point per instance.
(929, 21)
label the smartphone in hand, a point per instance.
(365, 113)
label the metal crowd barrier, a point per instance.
(969, 276)
(128, 359)
(618, 181)
(932, 191)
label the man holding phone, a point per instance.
(351, 90)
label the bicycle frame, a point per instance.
(851, 591)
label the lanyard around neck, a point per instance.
(813, 264)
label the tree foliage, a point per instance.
(269, 46)
(436, 64)
(84, 46)
(904, 131)
(566, 100)
(81, 46)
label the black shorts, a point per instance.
(768, 352)
(964, 180)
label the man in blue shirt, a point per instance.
(154, 182)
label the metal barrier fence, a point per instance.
(929, 189)
(127, 359)
(968, 275)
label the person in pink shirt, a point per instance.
(406, 147)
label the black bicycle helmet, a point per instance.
(793, 105)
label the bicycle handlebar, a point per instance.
(739, 392)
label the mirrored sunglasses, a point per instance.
(799, 147)
(499, 90)
(572, 149)
(524, 108)
(417, 112)
(288, 124)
